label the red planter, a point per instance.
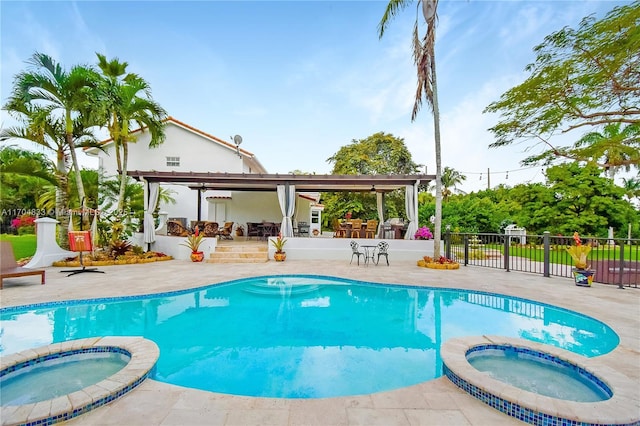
(197, 256)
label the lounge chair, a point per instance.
(9, 267)
(225, 231)
(210, 229)
(355, 251)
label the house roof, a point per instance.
(269, 182)
(246, 155)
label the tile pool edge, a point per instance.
(144, 355)
(530, 407)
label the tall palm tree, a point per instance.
(424, 58)
(67, 95)
(38, 126)
(127, 101)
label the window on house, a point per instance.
(173, 161)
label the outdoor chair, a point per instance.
(355, 251)
(338, 230)
(253, 230)
(210, 229)
(383, 250)
(371, 229)
(356, 228)
(225, 231)
(9, 267)
(176, 228)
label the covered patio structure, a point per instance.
(285, 186)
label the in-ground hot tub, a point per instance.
(87, 373)
(574, 390)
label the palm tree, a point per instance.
(450, 178)
(127, 100)
(612, 149)
(40, 127)
(424, 58)
(67, 95)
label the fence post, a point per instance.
(507, 244)
(547, 253)
(447, 243)
(466, 249)
(621, 274)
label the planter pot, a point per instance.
(197, 256)
(583, 277)
(442, 265)
(279, 257)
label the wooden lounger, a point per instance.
(9, 266)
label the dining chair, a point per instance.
(355, 251)
(383, 250)
(356, 228)
(371, 229)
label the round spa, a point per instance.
(539, 384)
(60, 381)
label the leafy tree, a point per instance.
(126, 100)
(450, 179)
(379, 154)
(67, 95)
(424, 56)
(584, 78)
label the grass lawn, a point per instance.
(23, 245)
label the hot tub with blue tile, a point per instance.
(540, 384)
(57, 382)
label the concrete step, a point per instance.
(238, 253)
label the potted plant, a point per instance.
(193, 241)
(279, 243)
(239, 230)
(579, 253)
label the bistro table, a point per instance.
(369, 253)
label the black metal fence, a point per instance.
(615, 261)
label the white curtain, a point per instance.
(411, 205)
(287, 207)
(380, 205)
(150, 206)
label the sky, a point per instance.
(300, 79)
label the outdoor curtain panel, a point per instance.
(287, 206)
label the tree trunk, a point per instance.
(76, 167)
(436, 126)
(123, 176)
(62, 201)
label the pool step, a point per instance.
(240, 253)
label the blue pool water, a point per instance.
(302, 336)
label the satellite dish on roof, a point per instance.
(237, 139)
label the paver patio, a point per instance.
(436, 402)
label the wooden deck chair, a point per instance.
(80, 241)
(225, 231)
(9, 267)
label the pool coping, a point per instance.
(531, 407)
(144, 355)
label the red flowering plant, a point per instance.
(441, 260)
(24, 224)
(423, 233)
(194, 240)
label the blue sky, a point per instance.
(299, 79)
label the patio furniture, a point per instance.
(210, 229)
(80, 241)
(356, 228)
(9, 267)
(225, 232)
(369, 252)
(303, 229)
(176, 228)
(371, 228)
(383, 250)
(355, 252)
(253, 230)
(338, 230)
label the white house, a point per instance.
(187, 149)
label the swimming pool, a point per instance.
(303, 336)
